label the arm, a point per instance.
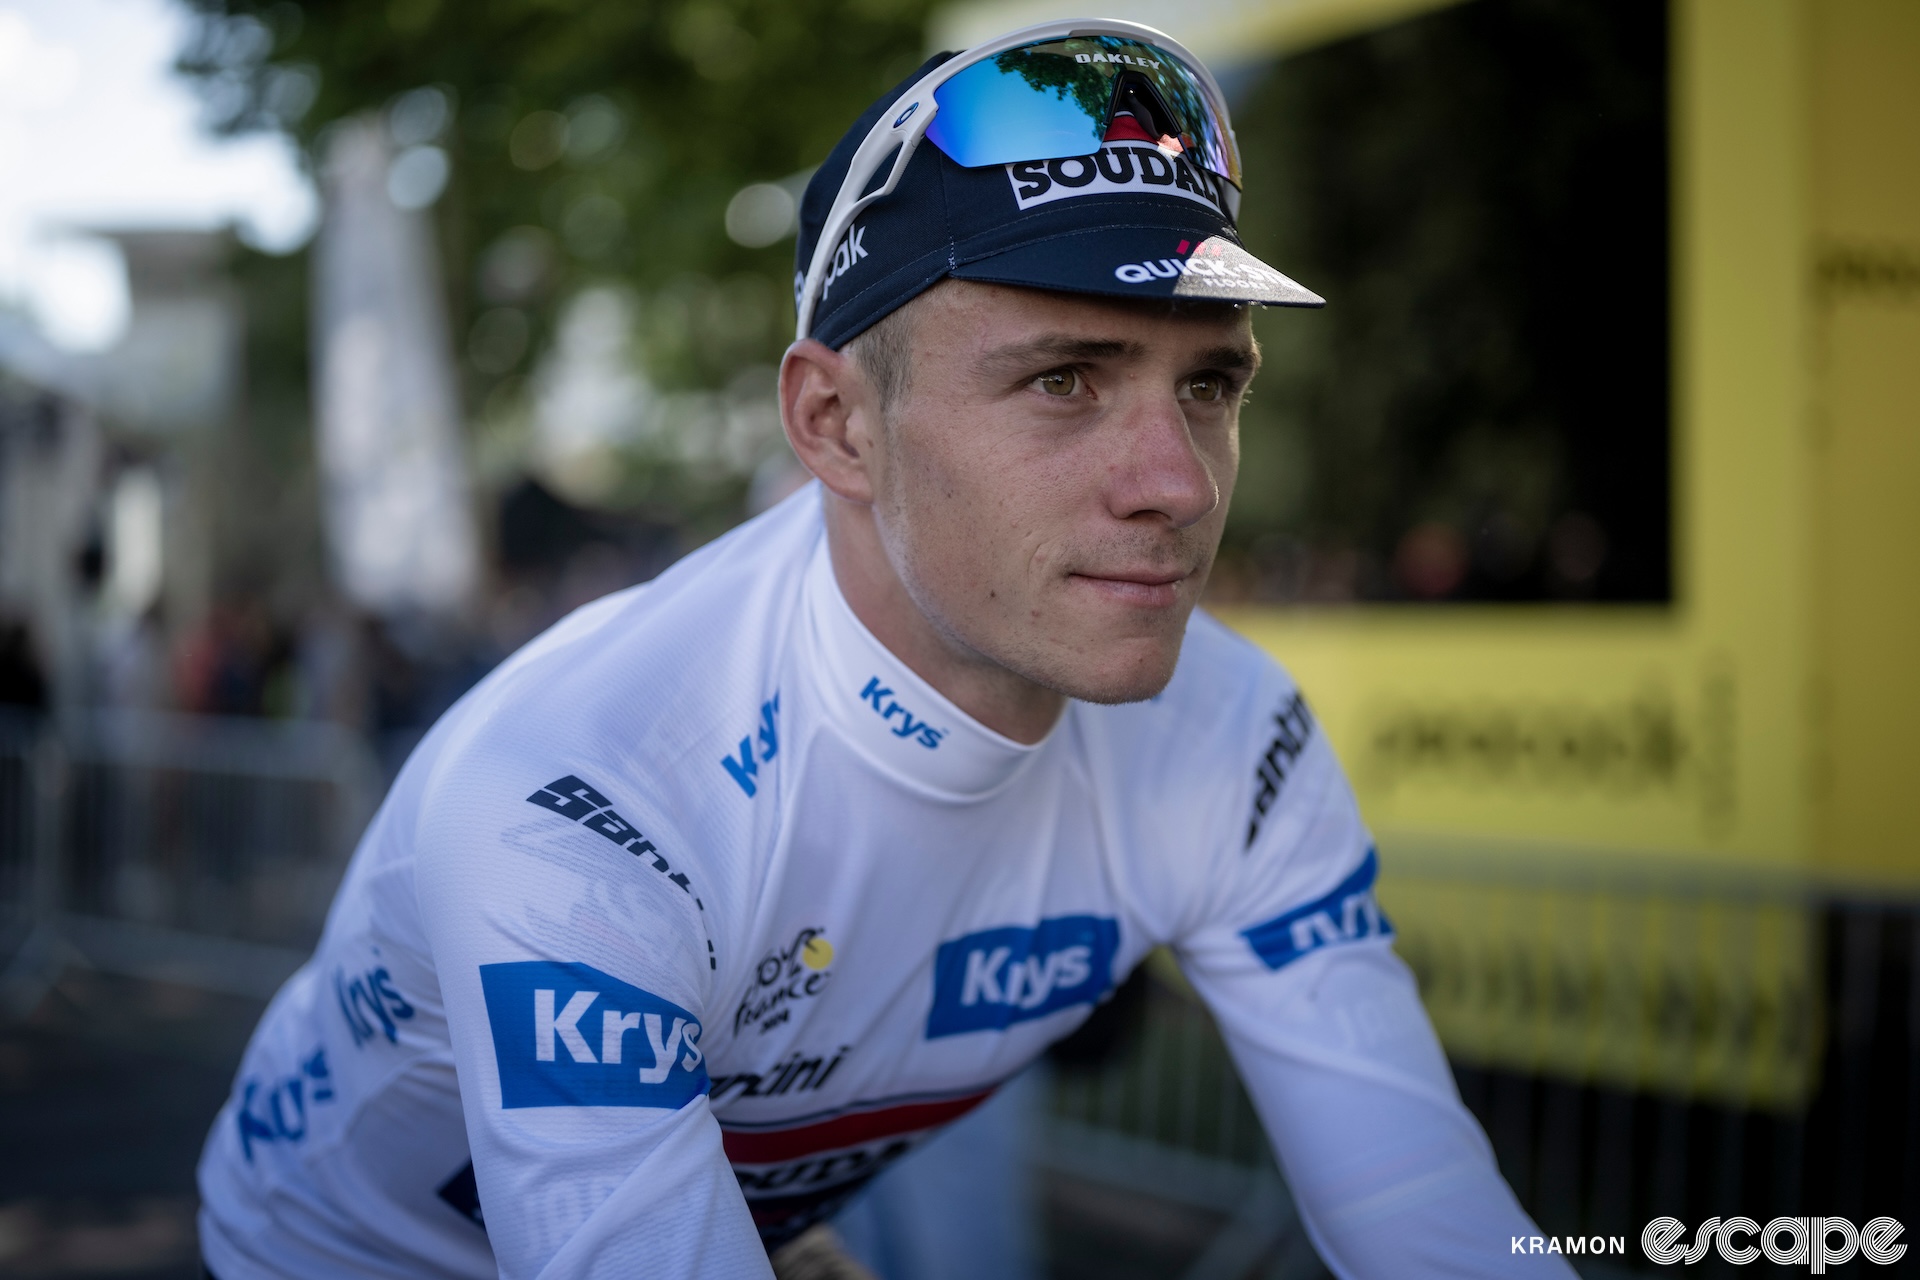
(1393, 1175)
(576, 973)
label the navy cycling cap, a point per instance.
(1129, 221)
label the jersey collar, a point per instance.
(898, 720)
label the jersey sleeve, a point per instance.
(1291, 951)
(576, 965)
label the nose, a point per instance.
(1156, 468)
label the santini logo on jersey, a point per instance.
(1292, 728)
(1347, 914)
(901, 721)
(990, 980)
(568, 1035)
(1115, 170)
(575, 800)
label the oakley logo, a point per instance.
(1118, 57)
(1116, 170)
(990, 980)
(850, 251)
(880, 698)
(568, 1035)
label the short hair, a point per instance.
(884, 352)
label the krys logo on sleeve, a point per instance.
(988, 981)
(568, 1035)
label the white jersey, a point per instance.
(703, 908)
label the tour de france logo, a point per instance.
(784, 977)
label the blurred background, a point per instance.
(346, 344)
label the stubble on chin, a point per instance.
(1085, 662)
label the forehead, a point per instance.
(961, 314)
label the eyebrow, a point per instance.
(1061, 349)
(1058, 349)
(1236, 359)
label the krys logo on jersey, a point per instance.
(568, 1035)
(371, 993)
(901, 722)
(784, 977)
(988, 981)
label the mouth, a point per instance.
(1145, 588)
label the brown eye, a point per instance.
(1058, 382)
(1205, 386)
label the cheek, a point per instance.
(1224, 460)
(975, 520)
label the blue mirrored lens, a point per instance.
(991, 114)
(1051, 100)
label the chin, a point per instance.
(1131, 675)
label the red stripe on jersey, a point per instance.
(773, 1146)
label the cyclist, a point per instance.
(709, 903)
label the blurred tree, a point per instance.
(578, 151)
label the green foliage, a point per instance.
(591, 144)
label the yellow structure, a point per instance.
(1760, 728)
(1766, 721)
(1769, 715)
(1763, 717)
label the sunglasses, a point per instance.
(1044, 92)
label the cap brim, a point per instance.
(1141, 262)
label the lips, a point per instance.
(1142, 577)
(1147, 587)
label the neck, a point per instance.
(1003, 701)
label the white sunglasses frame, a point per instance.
(913, 111)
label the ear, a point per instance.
(831, 414)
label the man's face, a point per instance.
(1053, 483)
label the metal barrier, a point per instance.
(1637, 1043)
(1166, 1119)
(182, 848)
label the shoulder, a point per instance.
(615, 724)
(1206, 728)
(1184, 770)
(640, 678)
